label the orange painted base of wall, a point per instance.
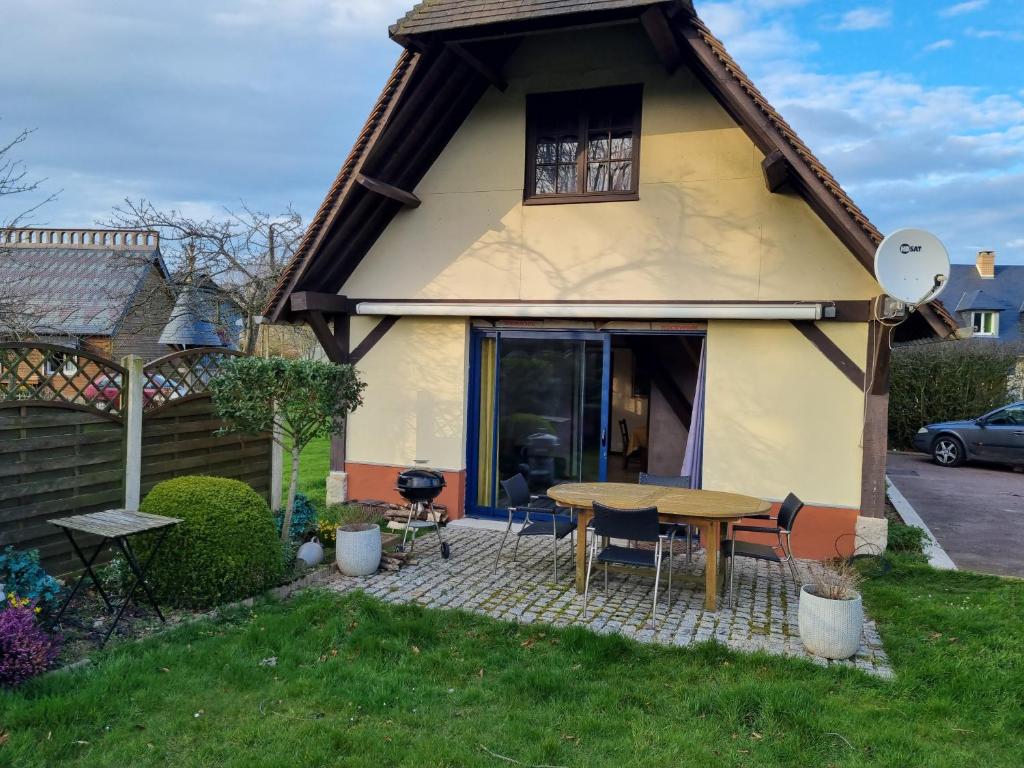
(377, 481)
(820, 533)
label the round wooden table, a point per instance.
(708, 511)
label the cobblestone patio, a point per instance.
(765, 618)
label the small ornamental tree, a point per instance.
(309, 399)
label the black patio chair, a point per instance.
(672, 529)
(635, 525)
(520, 500)
(775, 553)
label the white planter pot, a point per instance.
(357, 549)
(830, 628)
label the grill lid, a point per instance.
(420, 478)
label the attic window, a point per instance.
(583, 146)
(985, 323)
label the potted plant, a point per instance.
(831, 611)
(357, 544)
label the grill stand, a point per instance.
(433, 521)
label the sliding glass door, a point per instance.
(541, 410)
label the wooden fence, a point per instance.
(65, 446)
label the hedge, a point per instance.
(943, 381)
(225, 548)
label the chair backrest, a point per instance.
(791, 506)
(624, 431)
(669, 481)
(517, 490)
(632, 524)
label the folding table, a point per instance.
(114, 525)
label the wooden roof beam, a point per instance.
(311, 301)
(775, 167)
(662, 38)
(485, 70)
(408, 199)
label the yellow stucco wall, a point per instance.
(413, 407)
(705, 226)
(779, 416)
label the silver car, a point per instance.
(996, 437)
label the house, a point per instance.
(987, 299)
(107, 291)
(563, 217)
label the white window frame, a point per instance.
(978, 321)
(65, 368)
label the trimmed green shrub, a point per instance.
(907, 539)
(945, 381)
(225, 548)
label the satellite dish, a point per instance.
(912, 266)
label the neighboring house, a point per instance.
(203, 316)
(561, 219)
(987, 299)
(103, 290)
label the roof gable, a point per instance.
(970, 292)
(348, 222)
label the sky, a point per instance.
(917, 106)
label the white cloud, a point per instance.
(939, 45)
(995, 34)
(347, 17)
(961, 8)
(864, 18)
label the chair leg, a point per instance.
(657, 579)
(497, 558)
(689, 543)
(793, 571)
(671, 560)
(732, 572)
(554, 550)
(515, 549)
(606, 578)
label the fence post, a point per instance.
(134, 394)
(276, 466)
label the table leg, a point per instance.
(712, 546)
(87, 562)
(582, 521)
(139, 579)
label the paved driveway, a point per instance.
(975, 512)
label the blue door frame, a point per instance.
(473, 432)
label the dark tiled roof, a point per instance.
(438, 15)
(189, 324)
(968, 291)
(75, 291)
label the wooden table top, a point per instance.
(115, 522)
(713, 505)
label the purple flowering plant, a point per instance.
(26, 648)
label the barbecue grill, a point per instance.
(420, 486)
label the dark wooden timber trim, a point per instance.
(314, 248)
(408, 199)
(485, 70)
(776, 170)
(831, 350)
(730, 94)
(311, 301)
(364, 347)
(876, 423)
(336, 353)
(662, 38)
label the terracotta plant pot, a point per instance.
(830, 628)
(358, 548)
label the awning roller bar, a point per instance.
(752, 311)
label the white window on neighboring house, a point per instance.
(985, 323)
(59, 362)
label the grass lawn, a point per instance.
(360, 683)
(314, 464)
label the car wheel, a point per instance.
(948, 451)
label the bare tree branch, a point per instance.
(243, 253)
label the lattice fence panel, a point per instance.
(63, 377)
(181, 375)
